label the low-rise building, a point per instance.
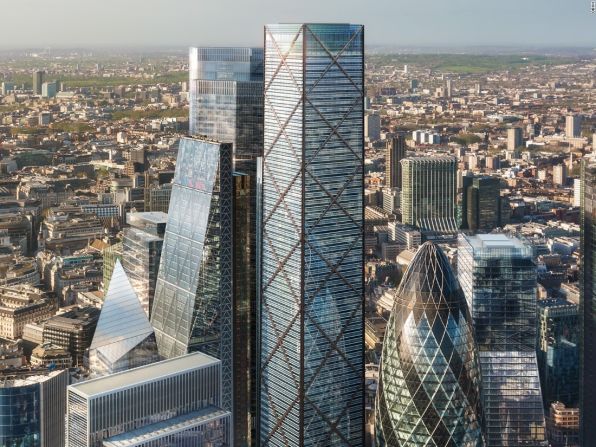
(20, 305)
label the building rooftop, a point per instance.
(165, 428)
(494, 241)
(133, 377)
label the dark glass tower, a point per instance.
(311, 279)
(192, 308)
(587, 305)
(482, 204)
(429, 381)
(394, 154)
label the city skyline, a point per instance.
(180, 23)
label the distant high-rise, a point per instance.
(498, 277)
(192, 307)
(514, 138)
(372, 127)
(312, 247)
(395, 152)
(429, 381)
(141, 253)
(428, 194)
(573, 126)
(37, 82)
(558, 359)
(226, 97)
(449, 88)
(482, 207)
(560, 174)
(587, 304)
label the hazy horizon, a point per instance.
(131, 24)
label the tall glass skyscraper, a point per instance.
(226, 104)
(192, 308)
(429, 382)
(587, 305)
(428, 194)
(498, 277)
(226, 97)
(311, 280)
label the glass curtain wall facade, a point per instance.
(428, 194)
(558, 351)
(498, 277)
(587, 304)
(226, 103)
(226, 97)
(192, 308)
(141, 253)
(483, 204)
(32, 408)
(312, 327)
(143, 398)
(123, 338)
(429, 381)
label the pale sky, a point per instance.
(133, 23)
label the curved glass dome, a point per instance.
(428, 392)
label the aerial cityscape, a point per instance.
(318, 238)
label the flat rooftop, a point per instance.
(495, 241)
(155, 217)
(163, 429)
(134, 377)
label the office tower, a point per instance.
(226, 97)
(311, 273)
(449, 87)
(428, 194)
(226, 104)
(33, 405)
(481, 204)
(391, 200)
(587, 304)
(573, 126)
(558, 351)
(72, 330)
(429, 381)
(192, 307)
(560, 174)
(173, 402)
(37, 82)
(394, 153)
(48, 89)
(577, 190)
(498, 277)
(514, 138)
(372, 127)
(141, 253)
(7, 87)
(124, 338)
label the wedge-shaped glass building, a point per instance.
(498, 277)
(192, 308)
(312, 327)
(429, 382)
(123, 338)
